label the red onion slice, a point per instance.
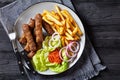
(76, 48)
(60, 54)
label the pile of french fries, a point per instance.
(62, 22)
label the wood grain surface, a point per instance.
(101, 20)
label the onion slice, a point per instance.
(70, 59)
(70, 48)
(71, 56)
(55, 36)
(50, 43)
(76, 47)
(60, 53)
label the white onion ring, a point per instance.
(49, 43)
(55, 36)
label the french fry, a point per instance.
(66, 41)
(61, 30)
(46, 20)
(64, 14)
(79, 30)
(53, 12)
(68, 36)
(51, 18)
(62, 22)
(69, 31)
(67, 15)
(56, 15)
(62, 39)
(75, 31)
(76, 37)
(58, 10)
(67, 24)
(55, 26)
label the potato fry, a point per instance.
(51, 18)
(46, 20)
(68, 36)
(63, 22)
(70, 32)
(76, 37)
(56, 15)
(53, 12)
(64, 14)
(63, 39)
(58, 10)
(67, 23)
(56, 26)
(75, 31)
(61, 30)
(67, 14)
(66, 42)
(78, 29)
(70, 25)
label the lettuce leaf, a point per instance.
(40, 59)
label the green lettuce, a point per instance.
(40, 59)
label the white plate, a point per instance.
(38, 8)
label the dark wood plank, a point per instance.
(101, 22)
(106, 42)
(108, 75)
(105, 28)
(109, 55)
(12, 77)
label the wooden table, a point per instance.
(102, 23)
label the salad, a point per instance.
(53, 55)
